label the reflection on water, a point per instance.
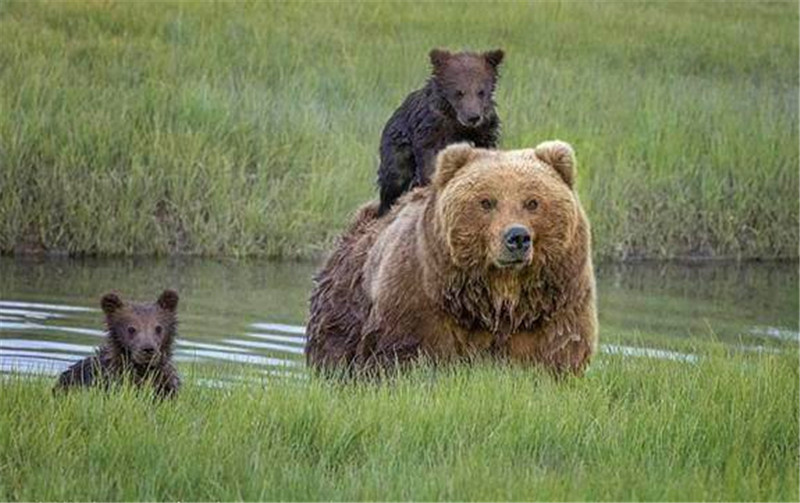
(253, 311)
(229, 312)
(38, 347)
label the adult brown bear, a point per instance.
(494, 257)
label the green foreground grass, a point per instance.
(252, 128)
(632, 429)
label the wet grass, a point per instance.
(242, 129)
(725, 428)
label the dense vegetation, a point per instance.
(252, 128)
(724, 428)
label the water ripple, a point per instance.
(280, 327)
(27, 330)
(278, 338)
(46, 345)
(51, 307)
(283, 348)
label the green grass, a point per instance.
(252, 128)
(632, 429)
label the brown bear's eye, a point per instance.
(459, 94)
(481, 93)
(131, 331)
(531, 204)
(158, 329)
(488, 204)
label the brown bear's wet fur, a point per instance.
(138, 347)
(431, 277)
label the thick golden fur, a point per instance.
(430, 278)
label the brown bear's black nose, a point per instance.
(148, 350)
(518, 239)
(474, 119)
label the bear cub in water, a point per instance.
(456, 105)
(138, 347)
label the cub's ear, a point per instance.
(439, 57)
(111, 303)
(494, 58)
(560, 156)
(168, 300)
(450, 160)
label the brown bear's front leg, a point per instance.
(168, 382)
(83, 373)
(565, 343)
(569, 352)
(385, 344)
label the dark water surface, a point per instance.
(254, 311)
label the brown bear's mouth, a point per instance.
(147, 360)
(515, 263)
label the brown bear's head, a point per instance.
(142, 332)
(465, 82)
(501, 210)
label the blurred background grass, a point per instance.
(252, 129)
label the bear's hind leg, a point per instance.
(395, 175)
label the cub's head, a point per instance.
(465, 81)
(505, 209)
(143, 332)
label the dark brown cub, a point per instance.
(456, 105)
(138, 346)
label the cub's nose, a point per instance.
(148, 350)
(517, 239)
(473, 120)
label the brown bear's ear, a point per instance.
(450, 160)
(439, 57)
(560, 156)
(494, 58)
(168, 300)
(111, 303)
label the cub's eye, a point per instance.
(481, 93)
(158, 329)
(488, 204)
(131, 330)
(531, 204)
(459, 94)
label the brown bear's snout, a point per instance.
(470, 111)
(473, 120)
(517, 241)
(470, 116)
(148, 349)
(147, 353)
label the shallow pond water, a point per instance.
(253, 312)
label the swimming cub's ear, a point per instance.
(560, 156)
(168, 300)
(452, 159)
(111, 303)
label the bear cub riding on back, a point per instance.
(456, 105)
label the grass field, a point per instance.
(725, 428)
(252, 128)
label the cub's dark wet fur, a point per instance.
(138, 347)
(456, 105)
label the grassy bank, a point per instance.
(632, 429)
(253, 128)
